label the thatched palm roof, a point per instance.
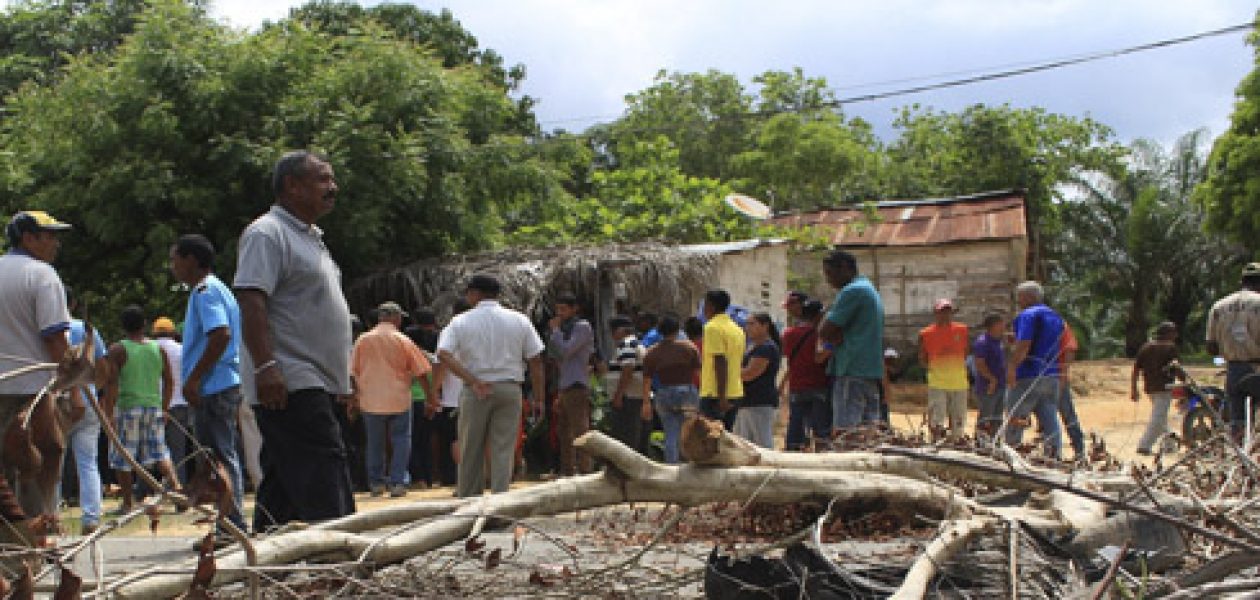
(655, 276)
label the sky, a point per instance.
(583, 56)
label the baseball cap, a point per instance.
(794, 295)
(31, 221)
(1251, 270)
(391, 307)
(942, 304)
(163, 325)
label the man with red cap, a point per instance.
(943, 350)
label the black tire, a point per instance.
(1197, 426)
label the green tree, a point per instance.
(176, 132)
(439, 34)
(704, 115)
(648, 197)
(803, 154)
(39, 37)
(1134, 250)
(1231, 190)
(986, 148)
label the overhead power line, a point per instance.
(1047, 66)
(1019, 70)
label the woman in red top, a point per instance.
(805, 386)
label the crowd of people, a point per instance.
(266, 376)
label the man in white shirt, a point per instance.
(487, 347)
(177, 417)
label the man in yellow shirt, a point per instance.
(720, 385)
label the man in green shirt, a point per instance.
(855, 328)
(137, 401)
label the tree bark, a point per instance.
(629, 478)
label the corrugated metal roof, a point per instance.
(729, 247)
(989, 216)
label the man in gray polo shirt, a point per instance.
(33, 325)
(296, 328)
(488, 348)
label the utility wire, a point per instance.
(1033, 67)
(1058, 64)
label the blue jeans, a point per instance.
(1039, 396)
(398, 428)
(214, 422)
(991, 408)
(83, 443)
(809, 413)
(671, 401)
(1067, 412)
(854, 401)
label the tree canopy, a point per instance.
(1231, 190)
(176, 130)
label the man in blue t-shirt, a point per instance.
(855, 326)
(1033, 371)
(211, 361)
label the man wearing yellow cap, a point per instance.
(178, 419)
(33, 324)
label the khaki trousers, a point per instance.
(491, 422)
(951, 404)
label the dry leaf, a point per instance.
(70, 587)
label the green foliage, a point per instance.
(1133, 251)
(649, 197)
(39, 37)
(704, 115)
(176, 131)
(1231, 190)
(988, 148)
(786, 144)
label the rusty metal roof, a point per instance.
(987, 216)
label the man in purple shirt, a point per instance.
(990, 370)
(571, 343)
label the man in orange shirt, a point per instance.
(943, 350)
(382, 366)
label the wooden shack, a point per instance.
(971, 249)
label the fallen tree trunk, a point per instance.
(849, 482)
(705, 442)
(630, 478)
(953, 538)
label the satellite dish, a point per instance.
(748, 206)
